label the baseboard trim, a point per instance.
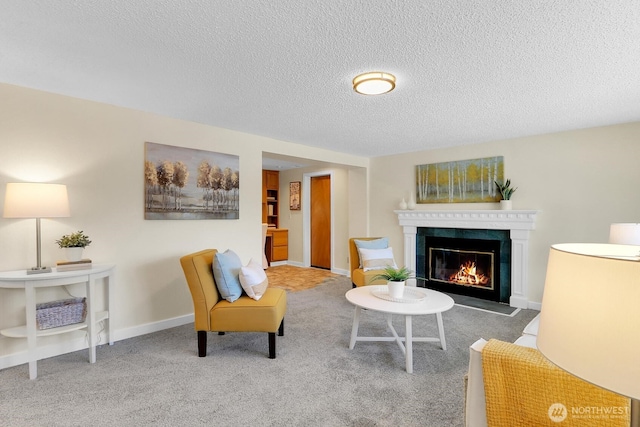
(78, 343)
(277, 263)
(147, 328)
(294, 263)
(535, 305)
(339, 271)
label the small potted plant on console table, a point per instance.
(74, 244)
(396, 278)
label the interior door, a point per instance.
(320, 219)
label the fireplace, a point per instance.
(466, 266)
(516, 224)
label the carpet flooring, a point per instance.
(316, 380)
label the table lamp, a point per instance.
(625, 233)
(36, 200)
(590, 319)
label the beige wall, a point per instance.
(97, 150)
(347, 197)
(580, 181)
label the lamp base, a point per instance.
(38, 270)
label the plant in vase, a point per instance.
(396, 278)
(506, 191)
(74, 244)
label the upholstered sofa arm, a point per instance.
(523, 388)
(475, 413)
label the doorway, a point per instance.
(320, 221)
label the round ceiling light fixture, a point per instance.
(374, 83)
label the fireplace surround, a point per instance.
(518, 223)
(462, 261)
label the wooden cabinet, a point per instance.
(270, 199)
(277, 245)
(271, 180)
(277, 248)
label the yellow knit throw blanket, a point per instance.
(523, 388)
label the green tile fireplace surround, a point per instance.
(497, 239)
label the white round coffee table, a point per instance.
(420, 301)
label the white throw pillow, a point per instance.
(253, 280)
(380, 243)
(377, 259)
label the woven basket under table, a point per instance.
(60, 313)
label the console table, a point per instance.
(20, 280)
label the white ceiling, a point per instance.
(468, 71)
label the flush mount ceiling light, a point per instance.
(374, 83)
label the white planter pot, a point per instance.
(505, 205)
(73, 254)
(396, 289)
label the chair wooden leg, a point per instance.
(272, 345)
(281, 329)
(202, 343)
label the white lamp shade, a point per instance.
(590, 321)
(625, 233)
(36, 200)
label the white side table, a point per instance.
(20, 280)
(434, 303)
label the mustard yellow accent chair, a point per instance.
(358, 276)
(215, 314)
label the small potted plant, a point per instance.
(396, 278)
(506, 192)
(74, 244)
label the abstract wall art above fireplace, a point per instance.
(461, 181)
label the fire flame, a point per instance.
(467, 275)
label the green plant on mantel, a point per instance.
(505, 189)
(74, 240)
(393, 274)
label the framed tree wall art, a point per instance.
(185, 183)
(462, 181)
(294, 195)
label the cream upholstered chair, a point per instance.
(358, 276)
(212, 313)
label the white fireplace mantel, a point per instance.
(519, 223)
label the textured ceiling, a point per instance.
(467, 71)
